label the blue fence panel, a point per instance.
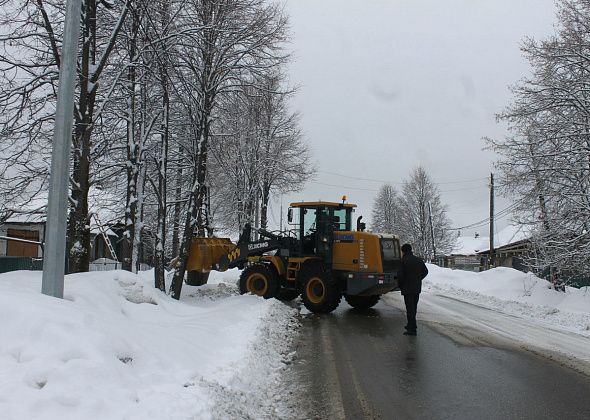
(20, 263)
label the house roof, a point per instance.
(108, 207)
(467, 245)
(510, 235)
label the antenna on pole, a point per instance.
(432, 233)
(491, 262)
(57, 205)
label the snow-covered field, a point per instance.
(115, 347)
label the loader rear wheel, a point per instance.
(321, 293)
(362, 302)
(287, 294)
(259, 280)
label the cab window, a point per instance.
(340, 219)
(390, 250)
(310, 217)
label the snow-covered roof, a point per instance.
(509, 235)
(23, 217)
(109, 208)
(105, 261)
(95, 230)
(31, 211)
(468, 245)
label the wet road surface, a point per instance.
(358, 365)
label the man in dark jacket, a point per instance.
(411, 272)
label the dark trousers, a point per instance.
(411, 301)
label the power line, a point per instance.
(400, 183)
(343, 186)
(499, 215)
(376, 190)
(357, 178)
(464, 189)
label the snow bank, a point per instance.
(115, 347)
(514, 292)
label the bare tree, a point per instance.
(258, 151)
(161, 86)
(419, 195)
(236, 37)
(545, 159)
(386, 211)
(30, 64)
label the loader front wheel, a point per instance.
(362, 302)
(320, 291)
(259, 280)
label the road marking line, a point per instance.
(334, 395)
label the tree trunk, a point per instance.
(133, 151)
(264, 206)
(177, 208)
(79, 223)
(160, 256)
(79, 228)
(194, 219)
(138, 225)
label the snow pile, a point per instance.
(514, 292)
(115, 347)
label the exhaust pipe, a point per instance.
(360, 226)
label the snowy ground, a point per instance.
(115, 347)
(504, 303)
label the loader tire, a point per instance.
(362, 302)
(259, 280)
(320, 291)
(287, 294)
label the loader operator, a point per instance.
(411, 272)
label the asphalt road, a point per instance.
(358, 365)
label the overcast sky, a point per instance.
(387, 85)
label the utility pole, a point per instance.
(491, 219)
(57, 207)
(432, 233)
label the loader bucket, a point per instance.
(205, 253)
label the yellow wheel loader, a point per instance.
(321, 258)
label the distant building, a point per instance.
(465, 253)
(34, 231)
(511, 245)
(29, 225)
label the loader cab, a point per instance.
(315, 224)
